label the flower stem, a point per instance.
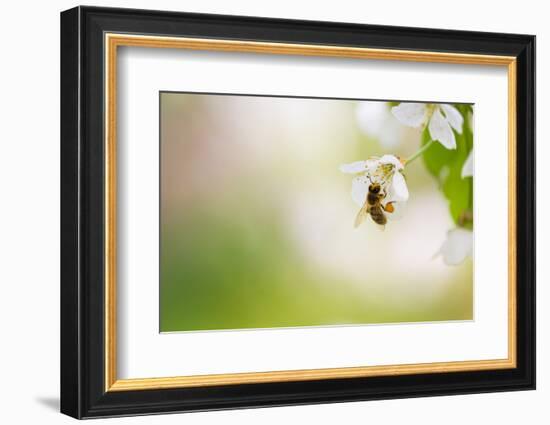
(419, 152)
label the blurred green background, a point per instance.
(257, 220)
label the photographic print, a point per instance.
(297, 200)
(282, 212)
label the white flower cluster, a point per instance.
(441, 119)
(387, 171)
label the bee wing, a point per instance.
(361, 216)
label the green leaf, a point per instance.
(446, 166)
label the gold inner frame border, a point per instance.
(113, 40)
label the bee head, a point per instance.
(374, 188)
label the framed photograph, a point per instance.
(261, 212)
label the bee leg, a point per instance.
(389, 207)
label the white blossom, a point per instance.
(385, 171)
(458, 246)
(440, 118)
(468, 167)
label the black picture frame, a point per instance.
(83, 392)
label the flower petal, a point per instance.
(457, 247)
(454, 117)
(468, 167)
(354, 167)
(398, 191)
(410, 114)
(391, 159)
(359, 189)
(441, 131)
(372, 164)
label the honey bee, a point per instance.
(373, 206)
